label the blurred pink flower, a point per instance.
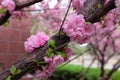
(8, 4)
(78, 4)
(58, 59)
(49, 68)
(77, 29)
(35, 41)
(68, 52)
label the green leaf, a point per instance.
(36, 61)
(41, 62)
(49, 50)
(51, 43)
(87, 22)
(6, 24)
(99, 6)
(8, 78)
(61, 53)
(18, 71)
(50, 55)
(2, 10)
(13, 70)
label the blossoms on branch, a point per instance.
(18, 14)
(49, 68)
(51, 63)
(77, 29)
(78, 4)
(8, 4)
(108, 26)
(35, 41)
(68, 52)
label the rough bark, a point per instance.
(93, 13)
(26, 64)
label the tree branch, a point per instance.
(93, 13)
(19, 5)
(26, 64)
(115, 68)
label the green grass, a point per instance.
(75, 72)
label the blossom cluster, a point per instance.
(47, 19)
(78, 4)
(49, 68)
(77, 29)
(8, 4)
(35, 41)
(109, 25)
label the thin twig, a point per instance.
(40, 9)
(108, 33)
(64, 18)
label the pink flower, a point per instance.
(68, 52)
(17, 14)
(45, 72)
(49, 68)
(78, 4)
(109, 20)
(28, 46)
(117, 3)
(40, 74)
(77, 29)
(42, 38)
(58, 59)
(8, 4)
(106, 1)
(35, 41)
(48, 60)
(117, 45)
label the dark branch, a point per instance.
(115, 68)
(92, 13)
(19, 5)
(26, 64)
(4, 19)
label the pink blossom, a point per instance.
(35, 41)
(58, 59)
(117, 46)
(109, 20)
(42, 38)
(16, 14)
(68, 52)
(77, 29)
(78, 4)
(28, 47)
(117, 3)
(40, 74)
(49, 68)
(45, 72)
(48, 60)
(106, 1)
(8, 4)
